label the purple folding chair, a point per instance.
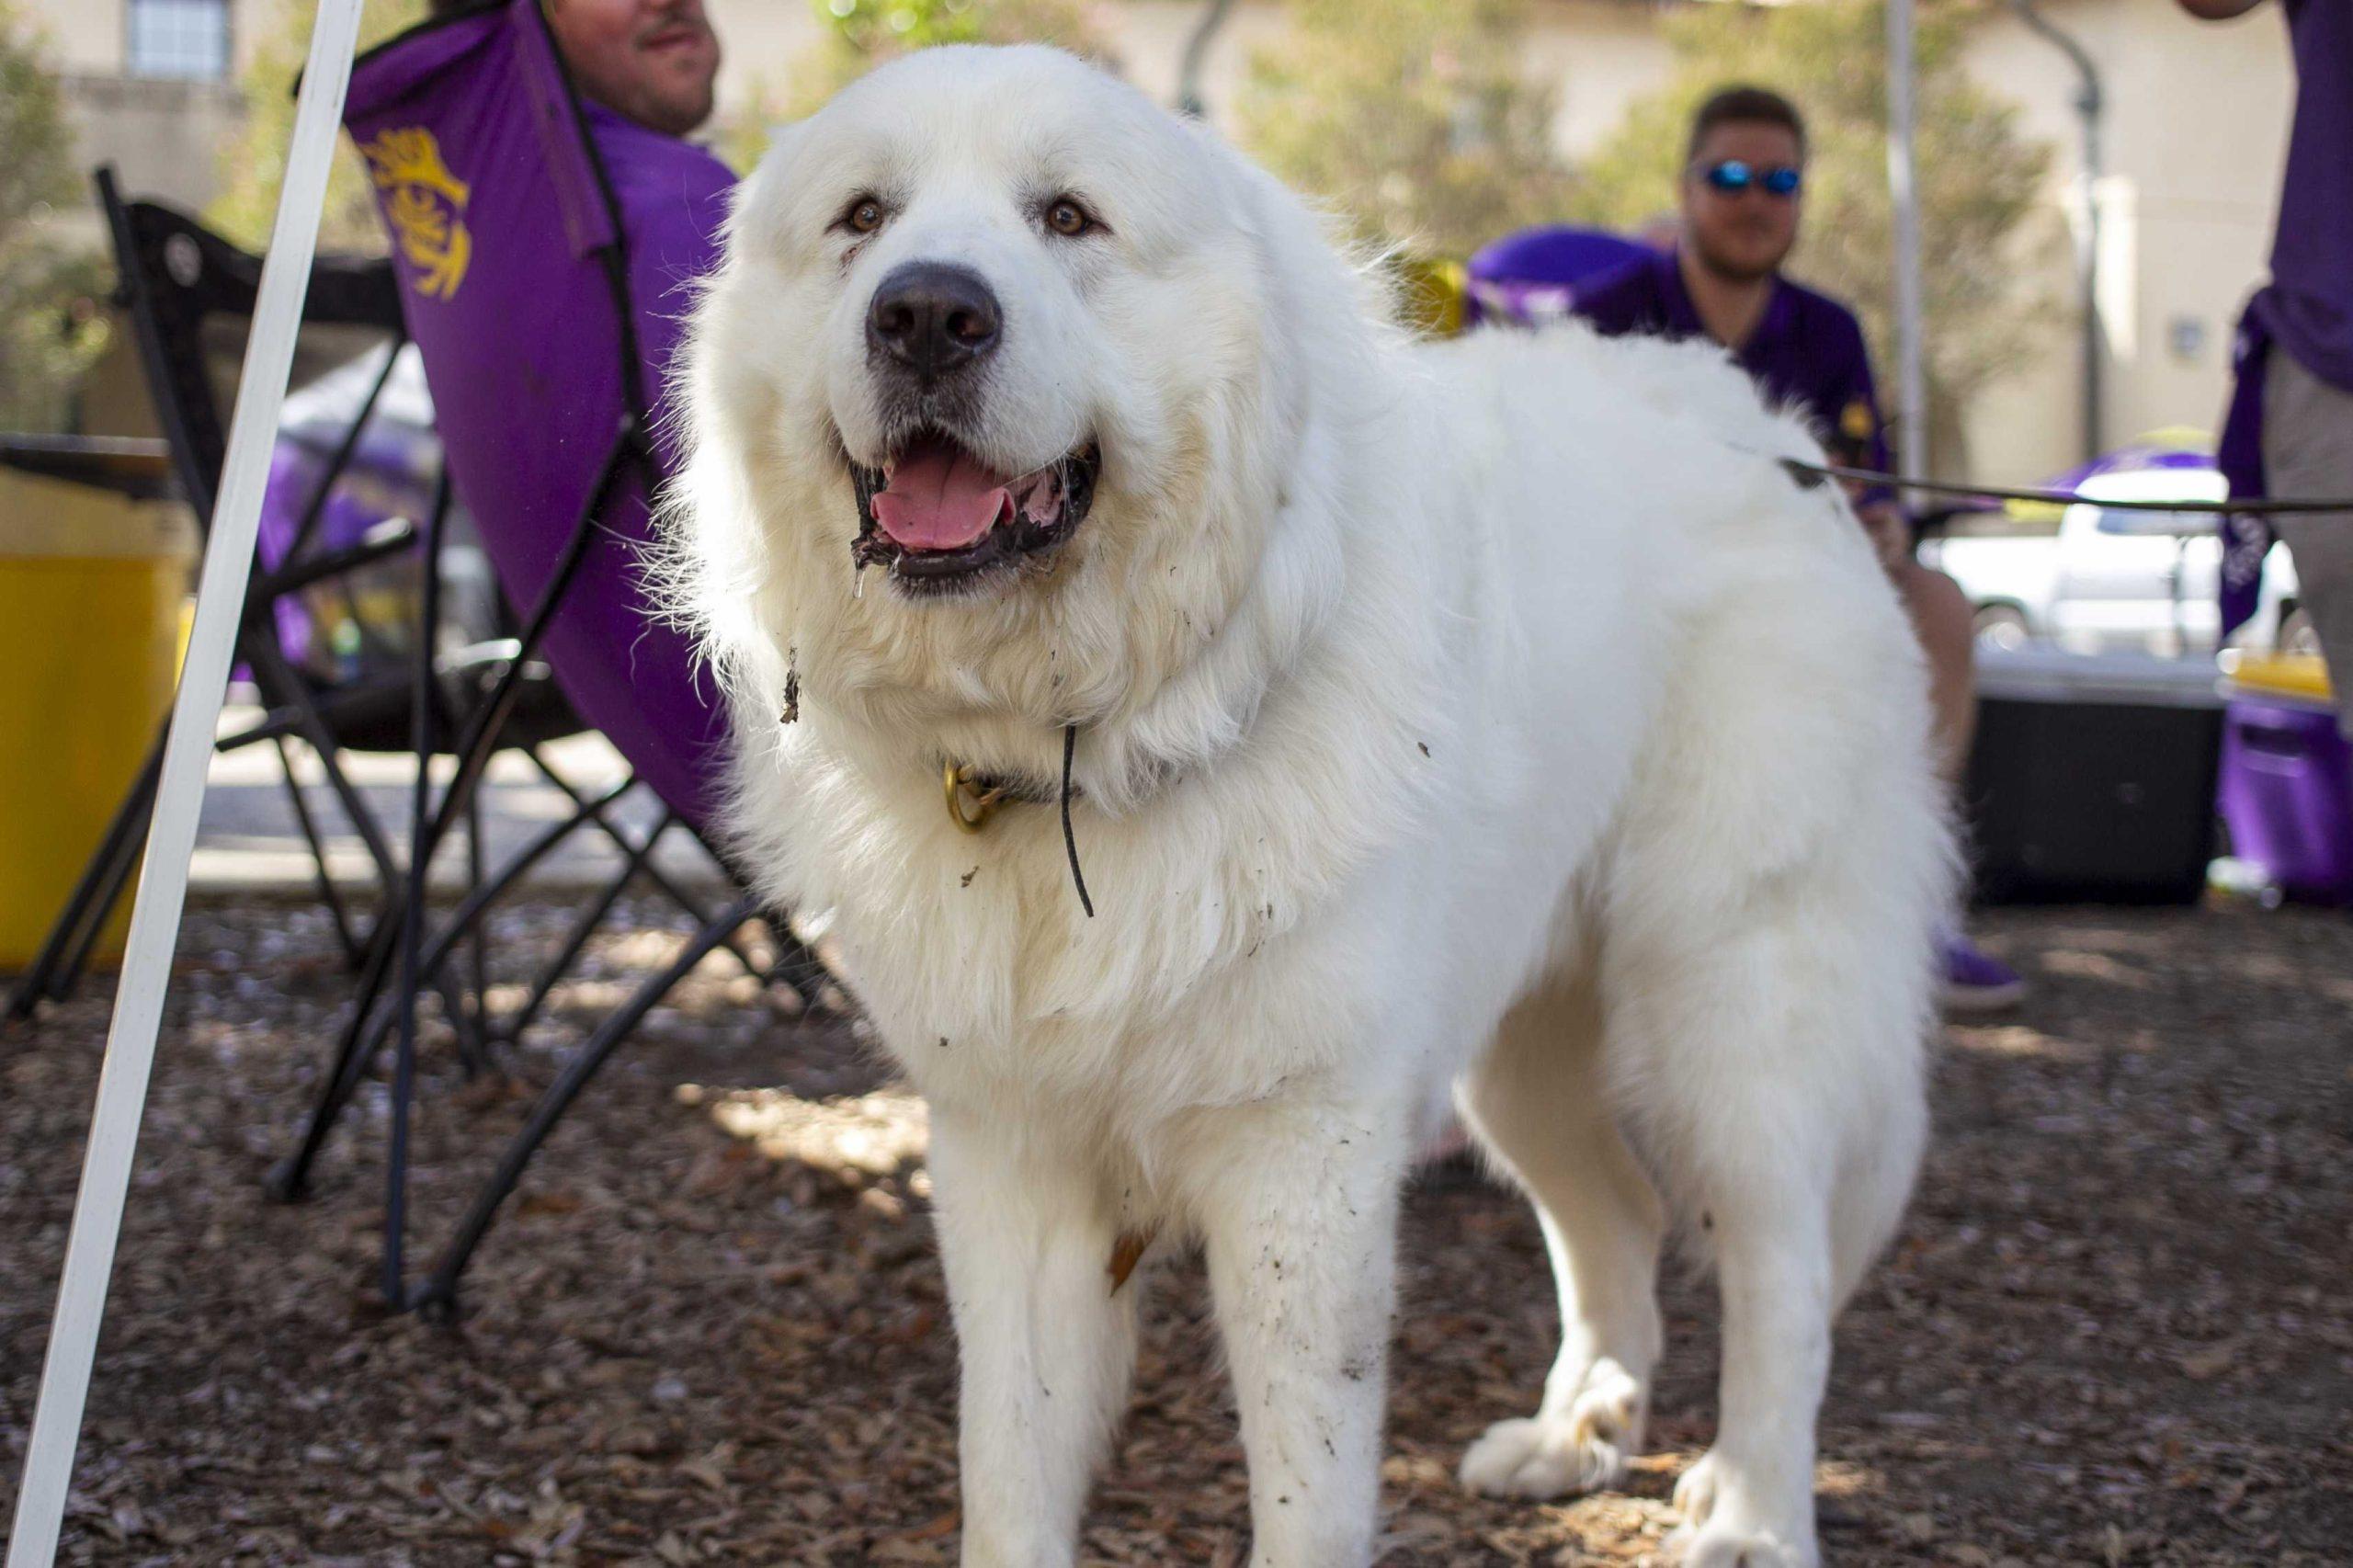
(1531, 276)
(541, 245)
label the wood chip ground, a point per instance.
(2116, 1329)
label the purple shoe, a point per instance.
(1974, 982)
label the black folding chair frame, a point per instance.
(412, 958)
(400, 953)
(341, 293)
(631, 456)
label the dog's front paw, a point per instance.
(1720, 1546)
(1718, 1536)
(1583, 1449)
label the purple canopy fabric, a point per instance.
(1531, 276)
(503, 227)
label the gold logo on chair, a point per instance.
(426, 205)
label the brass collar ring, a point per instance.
(970, 806)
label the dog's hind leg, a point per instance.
(1769, 1083)
(1748, 1501)
(1046, 1345)
(1536, 1102)
(1298, 1208)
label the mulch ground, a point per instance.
(2116, 1329)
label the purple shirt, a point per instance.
(673, 196)
(2309, 306)
(1807, 352)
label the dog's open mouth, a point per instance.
(938, 518)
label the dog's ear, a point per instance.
(783, 136)
(1317, 302)
(761, 190)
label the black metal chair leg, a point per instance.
(355, 951)
(652, 871)
(364, 1032)
(116, 869)
(283, 689)
(356, 1052)
(436, 1295)
(457, 1011)
(795, 966)
(479, 739)
(477, 1022)
(462, 997)
(664, 882)
(92, 900)
(403, 1089)
(420, 866)
(322, 491)
(584, 926)
(289, 1180)
(121, 873)
(798, 967)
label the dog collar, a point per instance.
(973, 798)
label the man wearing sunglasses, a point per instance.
(1742, 193)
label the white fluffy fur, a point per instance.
(1492, 716)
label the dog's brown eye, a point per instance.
(1068, 218)
(864, 217)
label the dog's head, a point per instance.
(999, 393)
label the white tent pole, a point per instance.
(171, 836)
(1911, 376)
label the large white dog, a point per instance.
(1497, 716)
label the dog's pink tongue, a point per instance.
(939, 499)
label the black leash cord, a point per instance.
(1810, 475)
(1070, 839)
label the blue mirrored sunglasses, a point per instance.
(1734, 175)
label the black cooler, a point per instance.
(2093, 777)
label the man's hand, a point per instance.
(2218, 10)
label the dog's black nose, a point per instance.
(934, 318)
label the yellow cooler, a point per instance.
(91, 587)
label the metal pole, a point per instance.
(163, 886)
(2089, 102)
(1911, 375)
(1196, 53)
(2095, 330)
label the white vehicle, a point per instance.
(2108, 580)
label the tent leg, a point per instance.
(163, 887)
(1903, 181)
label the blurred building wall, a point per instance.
(163, 133)
(2196, 132)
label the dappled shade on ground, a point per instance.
(713, 1330)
